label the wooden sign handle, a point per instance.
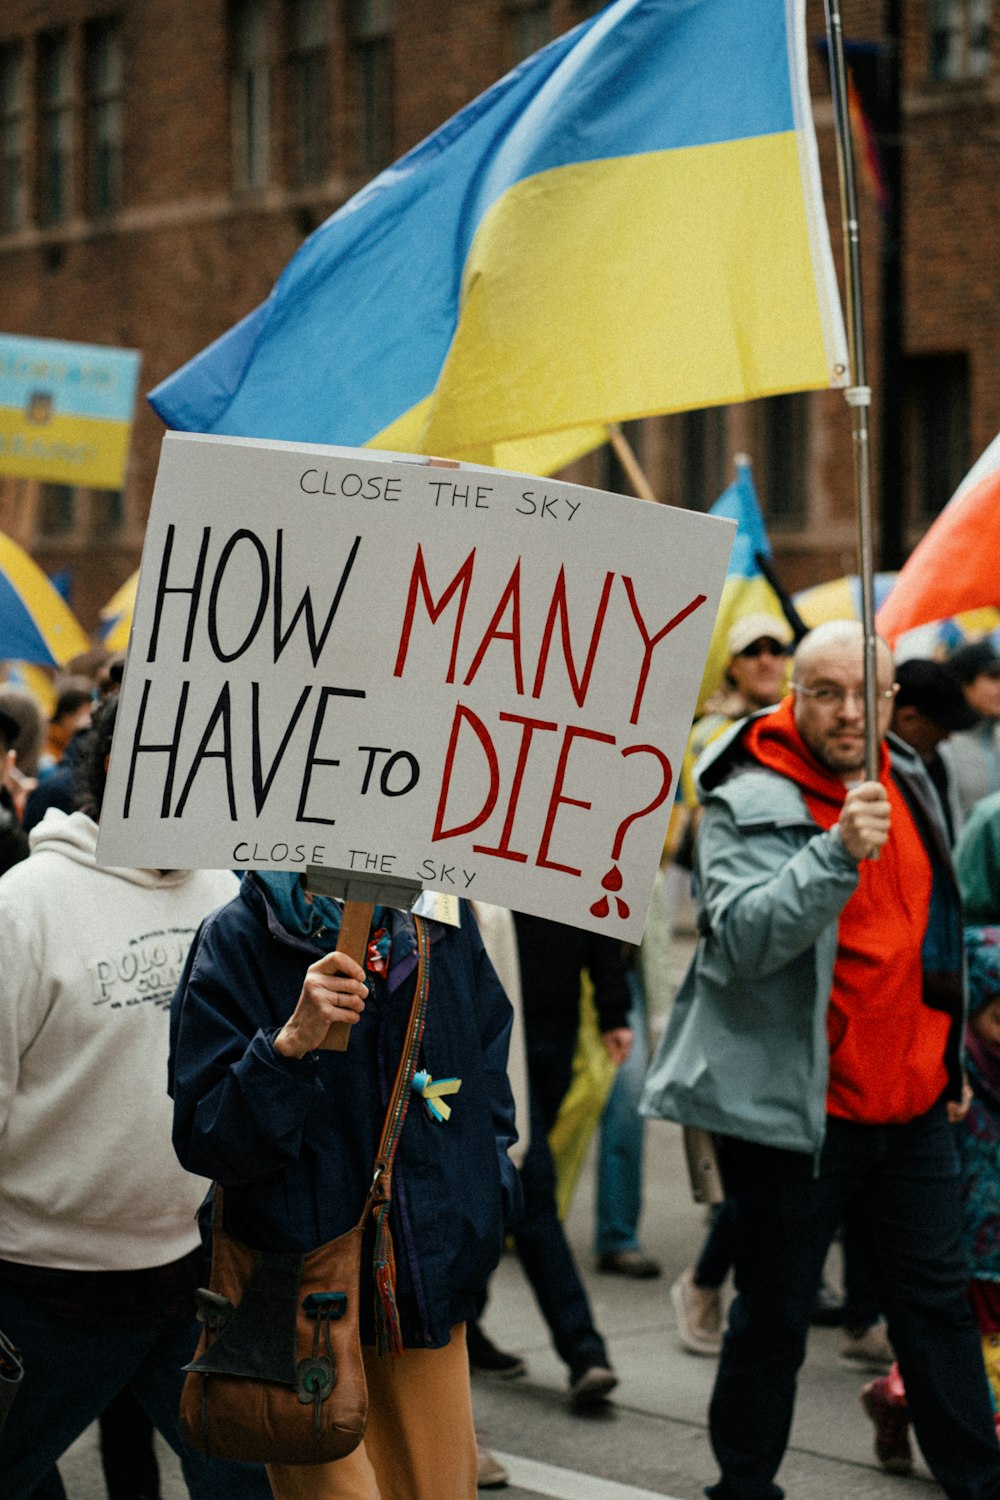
(354, 929)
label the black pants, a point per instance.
(903, 1180)
(539, 1237)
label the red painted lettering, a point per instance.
(651, 642)
(419, 580)
(483, 736)
(503, 849)
(560, 607)
(557, 798)
(511, 596)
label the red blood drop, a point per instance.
(600, 908)
(612, 880)
(623, 909)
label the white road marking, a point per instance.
(566, 1484)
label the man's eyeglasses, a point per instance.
(827, 697)
(763, 648)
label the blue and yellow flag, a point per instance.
(36, 623)
(115, 625)
(66, 411)
(630, 222)
(746, 591)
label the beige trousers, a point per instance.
(419, 1443)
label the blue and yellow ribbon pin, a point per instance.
(432, 1091)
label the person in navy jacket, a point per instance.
(290, 1131)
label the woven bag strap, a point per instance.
(380, 1191)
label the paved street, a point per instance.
(651, 1443)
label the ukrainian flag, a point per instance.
(746, 590)
(66, 411)
(630, 222)
(36, 623)
(116, 616)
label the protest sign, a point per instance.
(477, 680)
(66, 411)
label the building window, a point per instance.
(702, 457)
(104, 116)
(528, 26)
(57, 511)
(309, 89)
(54, 126)
(107, 514)
(73, 514)
(780, 451)
(370, 34)
(937, 422)
(959, 39)
(251, 94)
(13, 187)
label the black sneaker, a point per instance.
(629, 1263)
(486, 1359)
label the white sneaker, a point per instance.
(699, 1315)
(867, 1349)
(491, 1473)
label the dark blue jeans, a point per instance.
(903, 1181)
(71, 1374)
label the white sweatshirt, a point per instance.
(89, 958)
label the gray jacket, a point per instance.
(745, 1051)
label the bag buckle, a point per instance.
(314, 1380)
(332, 1305)
(212, 1309)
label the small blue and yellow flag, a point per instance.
(66, 411)
(630, 222)
(115, 618)
(36, 623)
(746, 590)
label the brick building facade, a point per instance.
(161, 160)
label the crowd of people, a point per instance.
(836, 1038)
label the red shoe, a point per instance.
(891, 1419)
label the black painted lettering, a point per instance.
(163, 589)
(262, 783)
(221, 714)
(305, 604)
(412, 778)
(213, 601)
(372, 750)
(170, 749)
(312, 759)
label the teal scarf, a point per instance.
(317, 919)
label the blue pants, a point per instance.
(71, 1373)
(903, 1180)
(620, 1142)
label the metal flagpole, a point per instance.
(858, 395)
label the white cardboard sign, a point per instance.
(478, 680)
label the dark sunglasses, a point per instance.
(764, 648)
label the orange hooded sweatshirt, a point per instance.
(886, 1046)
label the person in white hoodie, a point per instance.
(100, 1252)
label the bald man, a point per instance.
(817, 1036)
